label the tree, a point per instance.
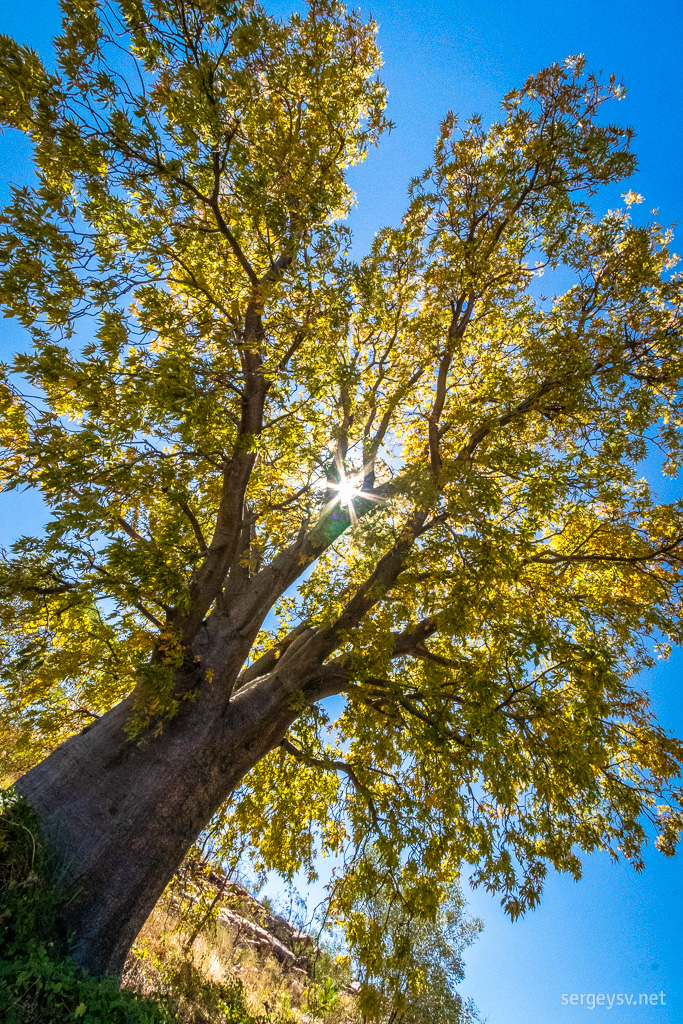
(274, 474)
(410, 963)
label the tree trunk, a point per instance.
(120, 814)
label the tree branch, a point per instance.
(194, 522)
(338, 766)
(554, 557)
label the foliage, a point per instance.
(410, 958)
(38, 982)
(325, 997)
(427, 471)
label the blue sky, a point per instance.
(615, 931)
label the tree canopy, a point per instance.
(411, 479)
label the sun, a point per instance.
(347, 489)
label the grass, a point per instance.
(218, 975)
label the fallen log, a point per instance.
(263, 940)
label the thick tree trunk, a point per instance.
(121, 814)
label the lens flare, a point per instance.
(347, 490)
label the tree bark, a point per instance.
(119, 815)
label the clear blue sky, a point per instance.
(615, 931)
